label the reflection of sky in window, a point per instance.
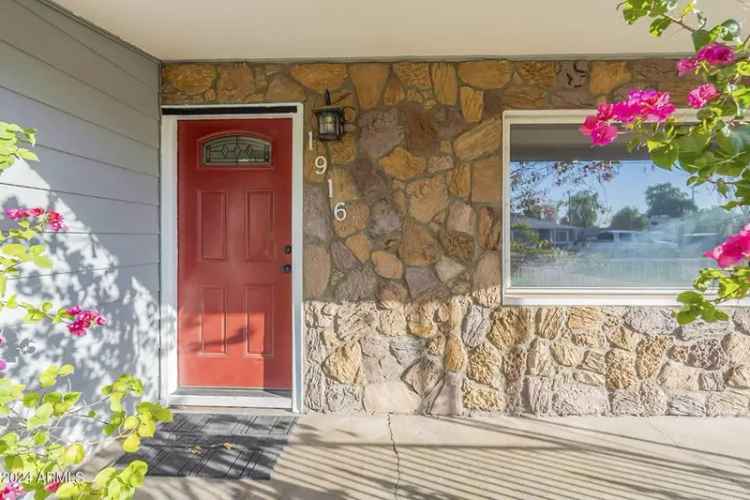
(628, 188)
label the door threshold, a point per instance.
(239, 398)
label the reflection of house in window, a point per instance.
(559, 235)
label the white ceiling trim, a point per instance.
(178, 30)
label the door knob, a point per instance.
(286, 268)
(287, 249)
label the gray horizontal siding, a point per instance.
(73, 174)
(39, 81)
(63, 52)
(86, 214)
(75, 252)
(65, 132)
(95, 104)
(131, 62)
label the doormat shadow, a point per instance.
(215, 446)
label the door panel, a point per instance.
(234, 210)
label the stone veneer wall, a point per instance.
(402, 299)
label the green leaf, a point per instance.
(14, 249)
(730, 30)
(74, 454)
(686, 316)
(41, 416)
(104, 476)
(694, 142)
(147, 429)
(14, 463)
(138, 470)
(66, 369)
(690, 297)
(659, 25)
(130, 423)
(68, 490)
(31, 399)
(743, 68)
(48, 377)
(41, 438)
(131, 444)
(665, 157)
(701, 38)
(27, 155)
(42, 261)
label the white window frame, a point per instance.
(569, 296)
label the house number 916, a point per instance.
(321, 166)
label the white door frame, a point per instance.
(168, 387)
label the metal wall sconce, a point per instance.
(331, 120)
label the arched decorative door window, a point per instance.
(236, 150)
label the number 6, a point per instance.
(339, 211)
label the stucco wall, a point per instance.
(95, 103)
(402, 299)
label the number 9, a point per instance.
(321, 165)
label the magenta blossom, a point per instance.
(53, 486)
(716, 54)
(646, 105)
(54, 220)
(654, 105)
(600, 131)
(686, 66)
(3, 365)
(83, 320)
(12, 491)
(733, 250)
(702, 95)
(603, 134)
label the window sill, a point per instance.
(598, 297)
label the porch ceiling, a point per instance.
(339, 29)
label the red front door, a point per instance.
(234, 209)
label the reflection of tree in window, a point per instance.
(668, 200)
(583, 208)
(629, 219)
(528, 178)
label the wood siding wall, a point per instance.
(95, 102)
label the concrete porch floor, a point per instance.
(413, 457)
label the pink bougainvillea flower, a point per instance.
(83, 320)
(54, 220)
(3, 365)
(716, 54)
(12, 491)
(603, 134)
(686, 66)
(605, 112)
(646, 105)
(702, 95)
(15, 213)
(589, 124)
(734, 249)
(653, 105)
(626, 111)
(52, 487)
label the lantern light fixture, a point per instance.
(330, 120)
